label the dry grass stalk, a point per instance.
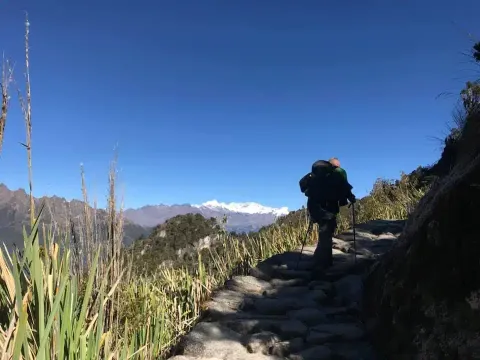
(87, 214)
(26, 107)
(6, 79)
(114, 235)
(28, 120)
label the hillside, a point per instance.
(14, 205)
(423, 299)
(176, 242)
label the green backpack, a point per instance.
(322, 184)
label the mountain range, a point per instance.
(241, 217)
(14, 205)
(14, 215)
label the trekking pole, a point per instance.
(354, 235)
(309, 229)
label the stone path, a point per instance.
(281, 312)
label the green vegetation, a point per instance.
(59, 304)
(175, 243)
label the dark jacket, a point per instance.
(324, 203)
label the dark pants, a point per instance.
(323, 257)
(327, 223)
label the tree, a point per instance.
(471, 96)
(476, 52)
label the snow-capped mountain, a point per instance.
(247, 208)
(241, 217)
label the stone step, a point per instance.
(279, 306)
(293, 274)
(285, 328)
(283, 283)
(247, 285)
(287, 291)
(319, 352)
(215, 341)
(245, 315)
(344, 331)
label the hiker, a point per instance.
(327, 188)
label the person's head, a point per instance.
(334, 161)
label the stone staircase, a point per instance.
(280, 311)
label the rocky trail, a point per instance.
(280, 312)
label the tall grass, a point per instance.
(70, 295)
(388, 200)
(55, 312)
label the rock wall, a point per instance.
(422, 299)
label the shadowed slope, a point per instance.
(425, 295)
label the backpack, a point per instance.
(315, 183)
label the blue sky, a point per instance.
(231, 100)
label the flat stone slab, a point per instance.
(344, 331)
(245, 315)
(317, 295)
(359, 235)
(351, 266)
(309, 316)
(349, 289)
(290, 291)
(247, 285)
(303, 265)
(293, 274)
(342, 245)
(278, 283)
(292, 329)
(285, 348)
(261, 342)
(319, 352)
(225, 302)
(326, 286)
(251, 326)
(214, 341)
(320, 338)
(356, 350)
(264, 270)
(274, 306)
(183, 357)
(278, 306)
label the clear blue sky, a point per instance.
(231, 100)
